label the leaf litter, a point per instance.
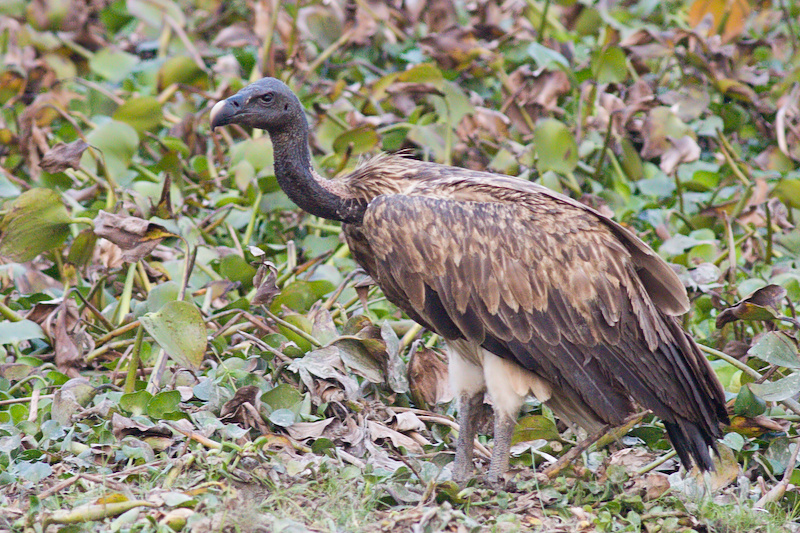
(167, 314)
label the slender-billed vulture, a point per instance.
(535, 293)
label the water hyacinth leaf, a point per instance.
(135, 402)
(16, 332)
(555, 146)
(776, 391)
(236, 269)
(609, 65)
(142, 114)
(358, 141)
(82, 248)
(360, 358)
(282, 417)
(37, 221)
(153, 12)
(748, 404)
(179, 329)
(788, 190)
(162, 294)
(117, 142)
(112, 65)
(163, 403)
(303, 324)
(776, 348)
(180, 69)
(284, 396)
(535, 427)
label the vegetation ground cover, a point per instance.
(181, 348)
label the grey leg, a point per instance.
(503, 431)
(468, 410)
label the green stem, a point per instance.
(294, 329)
(133, 364)
(124, 306)
(248, 232)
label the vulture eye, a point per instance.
(267, 98)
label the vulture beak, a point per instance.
(224, 111)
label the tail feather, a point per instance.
(692, 443)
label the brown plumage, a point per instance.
(534, 292)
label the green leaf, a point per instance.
(163, 403)
(236, 269)
(547, 58)
(118, 142)
(776, 348)
(361, 139)
(748, 404)
(142, 114)
(135, 402)
(775, 391)
(112, 65)
(179, 69)
(15, 332)
(535, 427)
(284, 396)
(555, 146)
(179, 329)
(37, 221)
(610, 66)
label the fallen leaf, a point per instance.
(135, 236)
(63, 156)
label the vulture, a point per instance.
(533, 292)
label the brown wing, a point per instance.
(550, 286)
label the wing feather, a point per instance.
(555, 291)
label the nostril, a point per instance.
(235, 103)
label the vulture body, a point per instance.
(534, 292)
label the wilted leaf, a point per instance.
(63, 156)
(179, 329)
(137, 237)
(37, 221)
(763, 304)
(70, 398)
(266, 287)
(69, 357)
(428, 378)
(683, 150)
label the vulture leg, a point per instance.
(467, 384)
(503, 431)
(469, 408)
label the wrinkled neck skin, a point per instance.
(304, 186)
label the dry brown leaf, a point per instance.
(683, 150)
(63, 156)
(302, 431)
(378, 431)
(135, 236)
(69, 357)
(428, 378)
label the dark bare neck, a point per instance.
(303, 186)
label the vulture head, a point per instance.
(267, 104)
